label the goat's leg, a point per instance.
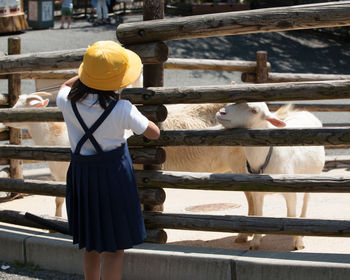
(291, 202)
(59, 202)
(258, 202)
(243, 237)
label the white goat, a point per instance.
(283, 160)
(215, 159)
(45, 134)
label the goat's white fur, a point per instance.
(284, 160)
(45, 134)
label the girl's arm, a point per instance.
(152, 131)
(70, 82)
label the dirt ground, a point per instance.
(321, 206)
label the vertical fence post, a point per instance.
(261, 67)
(14, 90)
(153, 76)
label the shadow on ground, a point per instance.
(301, 51)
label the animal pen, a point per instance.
(147, 39)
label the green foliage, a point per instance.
(26, 266)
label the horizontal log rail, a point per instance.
(150, 183)
(227, 223)
(319, 90)
(244, 224)
(61, 225)
(154, 196)
(69, 59)
(293, 77)
(244, 182)
(331, 138)
(239, 93)
(53, 114)
(337, 161)
(56, 153)
(335, 138)
(211, 64)
(171, 64)
(241, 22)
(248, 137)
(314, 107)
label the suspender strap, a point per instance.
(89, 131)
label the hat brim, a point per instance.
(131, 74)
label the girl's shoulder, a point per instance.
(62, 96)
(123, 105)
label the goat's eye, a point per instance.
(254, 111)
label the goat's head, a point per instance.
(247, 115)
(32, 100)
(29, 101)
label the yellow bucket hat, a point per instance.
(108, 66)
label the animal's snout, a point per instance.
(222, 112)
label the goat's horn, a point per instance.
(42, 93)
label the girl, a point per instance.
(103, 207)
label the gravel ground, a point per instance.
(18, 271)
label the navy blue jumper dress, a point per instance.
(103, 207)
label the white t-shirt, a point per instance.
(112, 133)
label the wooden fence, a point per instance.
(147, 38)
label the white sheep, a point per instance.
(283, 160)
(45, 134)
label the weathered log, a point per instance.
(53, 75)
(152, 53)
(4, 161)
(61, 225)
(171, 64)
(153, 75)
(155, 113)
(248, 137)
(211, 64)
(314, 107)
(249, 77)
(232, 23)
(3, 99)
(338, 147)
(338, 137)
(54, 60)
(49, 114)
(57, 153)
(14, 90)
(53, 114)
(4, 135)
(239, 93)
(336, 125)
(67, 59)
(266, 225)
(261, 67)
(244, 182)
(4, 172)
(50, 188)
(337, 161)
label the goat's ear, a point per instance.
(37, 102)
(42, 93)
(276, 122)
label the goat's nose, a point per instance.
(222, 113)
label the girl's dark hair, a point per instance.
(79, 92)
